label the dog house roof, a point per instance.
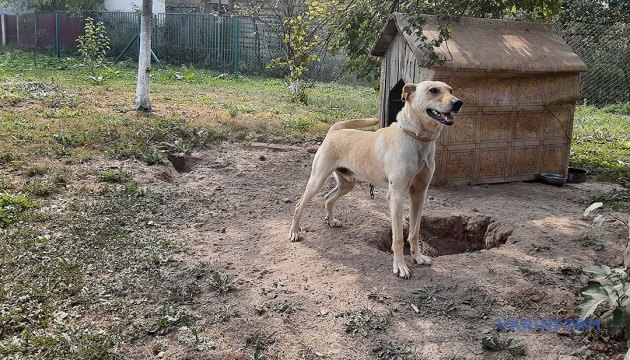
(488, 45)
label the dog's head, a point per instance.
(432, 101)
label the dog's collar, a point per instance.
(417, 137)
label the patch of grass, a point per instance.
(298, 124)
(9, 156)
(391, 350)
(616, 200)
(115, 177)
(365, 320)
(601, 142)
(71, 138)
(13, 206)
(260, 341)
(37, 170)
(537, 276)
(496, 342)
(40, 187)
(221, 284)
(590, 242)
(169, 318)
(137, 150)
(185, 294)
(429, 301)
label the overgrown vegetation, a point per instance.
(606, 295)
(601, 142)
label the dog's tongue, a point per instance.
(448, 116)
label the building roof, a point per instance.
(488, 45)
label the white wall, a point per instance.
(159, 6)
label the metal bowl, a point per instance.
(577, 175)
(554, 179)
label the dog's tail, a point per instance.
(354, 124)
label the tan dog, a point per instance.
(400, 157)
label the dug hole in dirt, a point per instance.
(499, 252)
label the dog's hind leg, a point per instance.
(417, 197)
(315, 183)
(345, 183)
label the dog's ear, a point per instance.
(407, 91)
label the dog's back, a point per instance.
(354, 124)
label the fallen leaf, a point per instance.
(415, 308)
(592, 207)
(322, 312)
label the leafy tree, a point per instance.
(356, 29)
(300, 25)
(94, 43)
(77, 6)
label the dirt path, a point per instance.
(320, 296)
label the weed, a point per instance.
(246, 143)
(495, 342)
(608, 289)
(7, 157)
(378, 294)
(137, 150)
(224, 313)
(233, 111)
(616, 200)
(13, 206)
(537, 276)
(570, 271)
(185, 294)
(60, 113)
(222, 284)
(169, 318)
(365, 320)
(115, 177)
(298, 124)
(40, 187)
(37, 169)
(621, 109)
(428, 300)
(260, 341)
(70, 139)
(590, 242)
(391, 350)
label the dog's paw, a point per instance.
(294, 236)
(421, 259)
(400, 268)
(333, 223)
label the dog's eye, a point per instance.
(434, 90)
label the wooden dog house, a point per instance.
(519, 83)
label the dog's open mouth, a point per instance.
(442, 118)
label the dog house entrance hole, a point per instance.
(394, 102)
(446, 235)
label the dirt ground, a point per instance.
(333, 295)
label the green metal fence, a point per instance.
(244, 44)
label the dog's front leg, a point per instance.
(396, 205)
(417, 197)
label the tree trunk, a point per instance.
(143, 99)
(294, 86)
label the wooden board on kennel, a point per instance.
(519, 83)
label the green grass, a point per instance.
(91, 270)
(601, 141)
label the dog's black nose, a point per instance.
(457, 104)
